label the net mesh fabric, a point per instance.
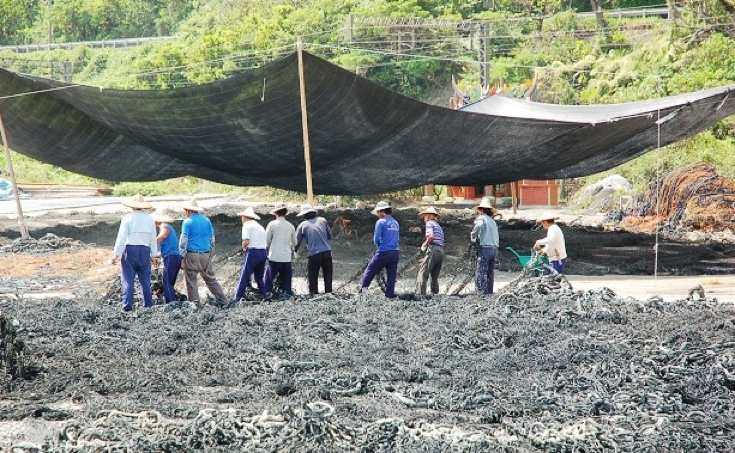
(364, 139)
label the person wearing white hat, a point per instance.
(485, 236)
(168, 247)
(386, 238)
(136, 249)
(255, 258)
(433, 245)
(280, 240)
(554, 244)
(196, 244)
(317, 234)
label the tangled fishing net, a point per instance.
(12, 351)
(48, 243)
(693, 197)
(537, 367)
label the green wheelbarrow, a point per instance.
(535, 261)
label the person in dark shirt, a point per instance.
(315, 232)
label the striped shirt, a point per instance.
(433, 228)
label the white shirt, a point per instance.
(556, 249)
(252, 231)
(281, 239)
(136, 228)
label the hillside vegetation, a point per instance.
(575, 59)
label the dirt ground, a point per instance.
(596, 257)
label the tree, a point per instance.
(16, 18)
(704, 17)
(601, 21)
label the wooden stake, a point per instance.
(304, 123)
(513, 199)
(21, 221)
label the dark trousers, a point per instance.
(485, 271)
(253, 263)
(283, 271)
(431, 266)
(171, 268)
(558, 265)
(382, 260)
(323, 261)
(136, 260)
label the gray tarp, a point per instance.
(364, 138)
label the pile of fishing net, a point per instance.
(48, 243)
(693, 197)
(537, 367)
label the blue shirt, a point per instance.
(170, 245)
(485, 231)
(316, 233)
(433, 228)
(386, 234)
(197, 235)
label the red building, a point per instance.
(528, 192)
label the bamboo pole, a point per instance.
(21, 221)
(304, 123)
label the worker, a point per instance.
(317, 234)
(433, 246)
(280, 240)
(168, 246)
(136, 248)
(484, 236)
(386, 237)
(196, 246)
(553, 243)
(255, 258)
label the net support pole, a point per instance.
(304, 123)
(21, 221)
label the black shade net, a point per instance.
(364, 139)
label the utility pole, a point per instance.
(352, 28)
(50, 24)
(50, 37)
(21, 221)
(304, 123)
(483, 55)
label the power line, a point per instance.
(40, 91)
